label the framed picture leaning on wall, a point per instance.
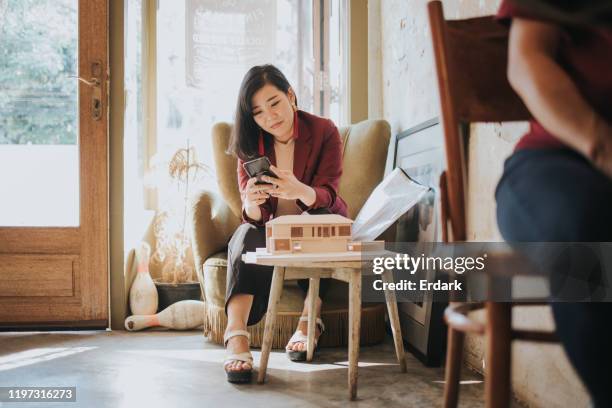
(419, 152)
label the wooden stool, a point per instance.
(346, 271)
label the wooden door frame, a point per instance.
(86, 246)
(94, 46)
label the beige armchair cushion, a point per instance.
(215, 218)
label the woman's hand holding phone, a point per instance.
(288, 187)
(255, 195)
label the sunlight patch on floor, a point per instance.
(37, 355)
(278, 360)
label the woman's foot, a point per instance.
(239, 363)
(297, 347)
(303, 327)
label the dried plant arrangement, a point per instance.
(173, 253)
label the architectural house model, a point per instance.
(309, 234)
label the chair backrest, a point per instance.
(471, 64)
(365, 147)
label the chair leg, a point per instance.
(498, 357)
(354, 329)
(452, 373)
(276, 290)
(387, 277)
(313, 294)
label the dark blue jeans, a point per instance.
(555, 195)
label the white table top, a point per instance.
(347, 259)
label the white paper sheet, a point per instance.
(393, 197)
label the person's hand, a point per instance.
(600, 152)
(287, 186)
(602, 158)
(255, 194)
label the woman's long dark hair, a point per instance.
(244, 142)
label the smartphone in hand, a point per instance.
(259, 167)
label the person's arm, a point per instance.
(254, 213)
(326, 179)
(550, 94)
(288, 187)
(308, 196)
(322, 192)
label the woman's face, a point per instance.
(273, 111)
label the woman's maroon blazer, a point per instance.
(317, 162)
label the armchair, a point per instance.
(214, 218)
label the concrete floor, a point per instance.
(183, 369)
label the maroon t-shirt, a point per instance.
(585, 53)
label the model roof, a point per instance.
(310, 219)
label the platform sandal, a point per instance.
(300, 337)
(241, 376)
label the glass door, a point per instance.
(39, 155)
(53, 162)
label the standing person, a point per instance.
(306, 155)
(557, 185)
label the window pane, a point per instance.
(204, 48)
(134, 214)
(344, 231)
(39, 155)
(281, 244)
(338, 64)
(297, 232)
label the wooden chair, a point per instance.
(471, 60)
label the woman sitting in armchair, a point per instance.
(306, 156)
